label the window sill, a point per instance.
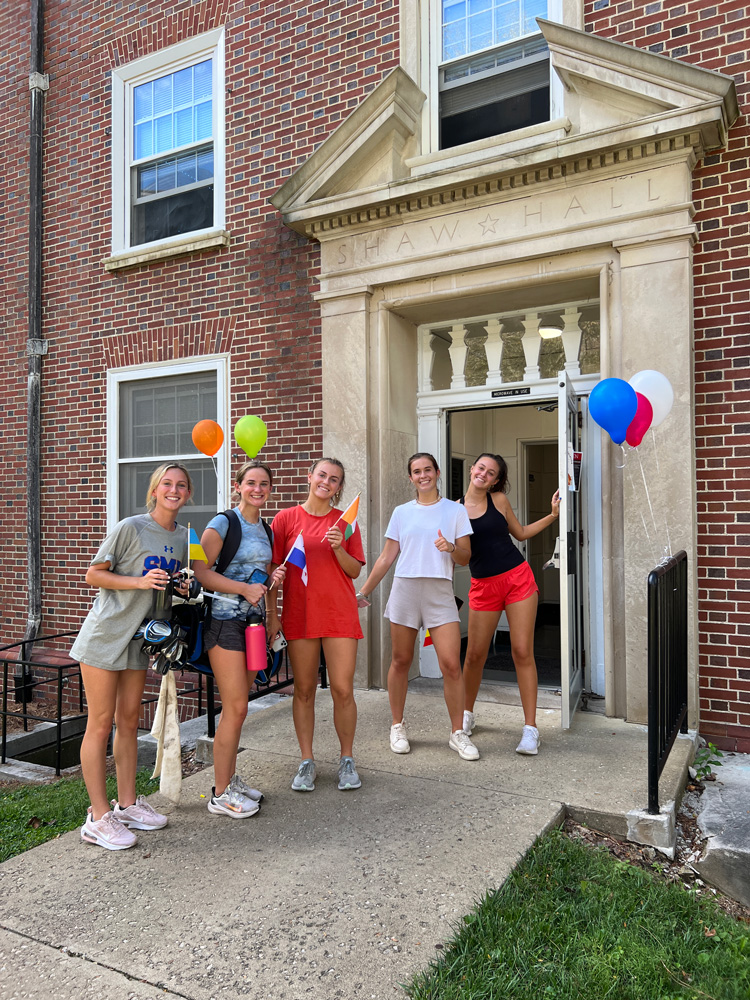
(492, 149)
(144, 254)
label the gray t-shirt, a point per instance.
(135, 546)
(253, 553)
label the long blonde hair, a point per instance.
(156, 477)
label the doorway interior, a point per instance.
(526, 435)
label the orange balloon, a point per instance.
(208, 437)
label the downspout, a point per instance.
(36, 346)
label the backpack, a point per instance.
(197, 617)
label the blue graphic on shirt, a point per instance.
(171, 566)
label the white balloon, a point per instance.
(658, 391)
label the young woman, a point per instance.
(429, 535)
(501, 580)
(139, 557)
(320, 610)
(246, 577)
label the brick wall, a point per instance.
(714, 36)
(293, 72)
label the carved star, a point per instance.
(488, 225)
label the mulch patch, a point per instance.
(680, 870)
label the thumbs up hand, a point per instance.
(443, 544)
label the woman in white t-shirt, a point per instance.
(429, 535)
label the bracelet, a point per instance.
(453, 549)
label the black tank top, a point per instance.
(492, 551)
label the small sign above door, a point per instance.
(502, 393)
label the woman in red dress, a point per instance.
(320, 610)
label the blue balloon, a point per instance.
(613, 404)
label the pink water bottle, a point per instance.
(255, 643)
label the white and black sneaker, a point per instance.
(231, 803)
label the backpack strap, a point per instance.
(233, 539)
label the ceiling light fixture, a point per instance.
(548, 330)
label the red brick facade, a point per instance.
(294, 71)
(714, 36)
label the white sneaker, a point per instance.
(139, 816)
(238, 784)
(469, 722)
(529, 741)
(399, 739)
(463, 746)
(108, 832)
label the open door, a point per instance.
(571, 617)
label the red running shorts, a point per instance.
(494, 593)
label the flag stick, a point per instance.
(273, 582)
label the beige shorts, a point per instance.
(421, 601)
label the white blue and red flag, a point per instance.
(297, 556)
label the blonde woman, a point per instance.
(140, 556)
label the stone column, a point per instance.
(345, 337)
(659, 479)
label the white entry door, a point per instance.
(571, 604)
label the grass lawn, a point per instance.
(574, 923)
(36, 813)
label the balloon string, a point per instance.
(658, 473)
(648, 497)
(652, 546)
(213, 462)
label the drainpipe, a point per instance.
(36, 346)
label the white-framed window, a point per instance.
(168, 144)
(151, 412)
(489, 68)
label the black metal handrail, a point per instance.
(282, 679)
(667, 665)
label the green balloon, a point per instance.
(250, 433)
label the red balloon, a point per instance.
(640, 422)
(208, 437)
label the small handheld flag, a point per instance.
(350, 516)
(196, 549)
(297, 556)
(427, 639)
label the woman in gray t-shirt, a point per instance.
(140, 556)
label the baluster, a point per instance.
(572, 336)
(458, 351)
(494, 350)
(532, 345)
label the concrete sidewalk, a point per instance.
(321, 895)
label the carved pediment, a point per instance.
(620, 103)
(368, 150)
(616, 84)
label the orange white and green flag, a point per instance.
(350, 516)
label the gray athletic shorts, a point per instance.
(421, 601)
(226, 633)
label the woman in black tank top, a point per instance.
(501, 580)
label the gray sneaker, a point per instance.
(231, 803)
(304, 779)
(238, 785)
(348, 777)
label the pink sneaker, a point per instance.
(139, 816)
(107, 832)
